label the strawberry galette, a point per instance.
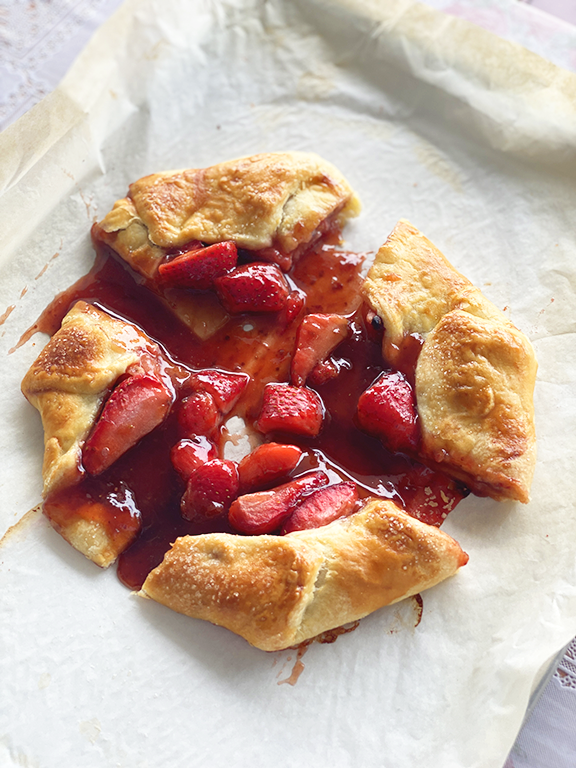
(369, 407)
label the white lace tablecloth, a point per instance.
(548, 739)
(39, 39)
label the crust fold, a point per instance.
(68, 384)
(275, 199)
(476, 371)
(70, 379)
(277, 591)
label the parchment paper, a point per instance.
(471, 138)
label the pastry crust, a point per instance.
(412, 285)
(68, 384)
(475, 373)
(275, 199)
(70, 380)
(277, 591)
(474, 389)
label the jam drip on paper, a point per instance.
(142, 490)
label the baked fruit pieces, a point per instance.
(281, 330)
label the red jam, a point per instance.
(142, 488)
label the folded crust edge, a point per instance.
(277, 591)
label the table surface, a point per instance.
(38, 42)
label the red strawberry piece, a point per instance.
(267, 464)
(198, 414)
(387, 410)
(274, 256)
(290, 409)
(211, 489)
(317, 336)
(187, 455)
(323, 372)
(135, 407)
(429, 495)
(191, 245)
(264, 512)
(323, 507)
(253, 288)
(294, 306)
(225, 388)
(198, 267)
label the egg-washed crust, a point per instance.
(68, 384)
(277, 591)
(268, 200)
(475, 373)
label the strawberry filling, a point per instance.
(298, 357)
(210, 489)
(267, 465)
(290, 409)
(317, 336)
(198, 414)
(387, 410)
(199, 266)
(225, 388)
(253, 288)
(323, 507)
(264, 512)
(136, 407)
(187, 455)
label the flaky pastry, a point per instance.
(475, 373)
(277, 591)
(68, 384)
(270, 200)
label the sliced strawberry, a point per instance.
(387, 410)
(253, 288)
(322, 507)
(294, 305)
(198, 414)
(225, 388)
(264, 512)
(187, 455)
(290, 409)
(274, 256)
(266, 465)
(198, 267)
(323, 372)
(317, 336)
(429, 495)
(136, 407)
(191, 245)
(211, 489)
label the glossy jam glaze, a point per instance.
(141, 491)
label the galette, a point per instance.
(259, 434)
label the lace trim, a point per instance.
(36, 40)
(566, 672)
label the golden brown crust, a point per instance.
(276, 199)
(68, 384)
(93, 540)
(475, 374)
(412, 285)
(70, 379)
(276, 591)
(474, 388)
